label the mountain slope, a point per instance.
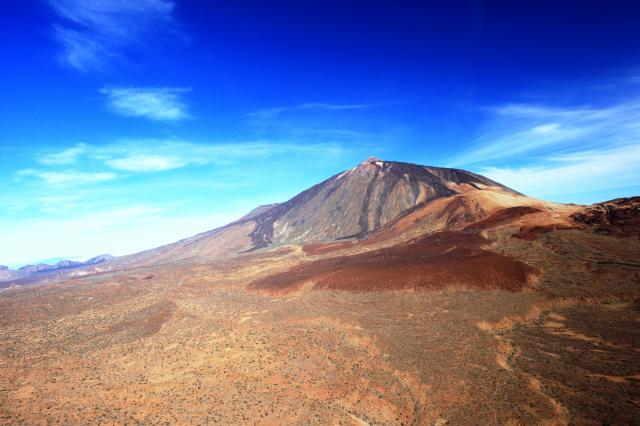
(354, 204)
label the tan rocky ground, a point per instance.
(193, 345)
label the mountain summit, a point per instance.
(352, 205)
(362, 200)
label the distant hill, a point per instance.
(29, 273)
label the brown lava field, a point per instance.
(445, 259)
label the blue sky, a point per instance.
(126, 125)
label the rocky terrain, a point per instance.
(616, 217)
(391, 293)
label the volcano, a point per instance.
(356, 204)
(391, 293)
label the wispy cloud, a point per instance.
(56, 203)
(321, 122)
(146, 163)
(81, 50)
(65, 157)
(527, 129)
(557, 151)
(92, 32)
(272, 113)
(160, 155)
(103, 162)
(155, 103)
(562, 176)
(68, 177)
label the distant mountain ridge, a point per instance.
(28, 271)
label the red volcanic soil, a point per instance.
(527, 235)
(531, 233)
(446, 259)
(322, 248)
(150, 319)
(503, 216)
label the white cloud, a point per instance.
(515, 130)
(273, 113)
(574, 152)
(313, 122)
(114, 16)
(152, 155)
(545, 129)
(81, 50)
(58, 203)
(557, 177)
(146, 163)
(68, 177)
(155, 103)
(65, 157)
(92, 32)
